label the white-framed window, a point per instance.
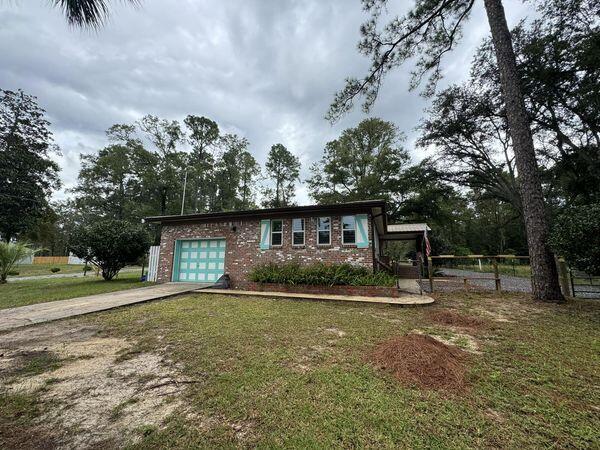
(324, 230)
(348, 230)
(276, 233)
(297, 231)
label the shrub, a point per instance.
(110, 244)
(13, 273)
(320, 274)
(55, 269)
(576, 237)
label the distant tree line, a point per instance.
(161, 167)
(141, 172)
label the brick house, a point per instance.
(202, 247)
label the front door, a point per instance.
(199, 260)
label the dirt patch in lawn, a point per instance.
(463, 341)
(20, 437)
(336, 332)
(421, 360)
(22, 363)
(452, 318)
(95, 394)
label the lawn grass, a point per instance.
(21, 293)
(282, 373)
(278, 373)
(29, 270)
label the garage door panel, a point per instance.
(200, 260)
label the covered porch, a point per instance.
(414, 235)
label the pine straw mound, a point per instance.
(420, 360)
(447, 317)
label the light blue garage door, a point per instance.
(200, 261)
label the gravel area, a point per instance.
(507, 282)
(587, 291)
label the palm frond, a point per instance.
(11, 254)
(86, 13)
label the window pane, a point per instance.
(298, 238)
(349, 237)
(298, 224)
(323, 237)
(348, 222)
(324, 223)
(276, 239)
(277, 225)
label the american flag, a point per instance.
(427, 244)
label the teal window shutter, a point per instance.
(265, 234)
(362, 230)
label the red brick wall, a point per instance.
(243, 252)
(367, 291)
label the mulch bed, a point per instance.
(421, 360)
(448, 317)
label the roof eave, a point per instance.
(271, 212)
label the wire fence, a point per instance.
(511, 273)
(498, 272)
(584, 285)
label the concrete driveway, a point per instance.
(45, 312)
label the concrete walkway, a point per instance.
(405, 300)
(45, 312)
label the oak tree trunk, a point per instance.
(543, 269)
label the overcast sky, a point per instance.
(265, 69)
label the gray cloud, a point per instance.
(266, 69)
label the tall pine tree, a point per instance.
(27, 174)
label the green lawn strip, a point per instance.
(28, 292)
(29, 270)
(270, 370)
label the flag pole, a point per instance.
(183, 195)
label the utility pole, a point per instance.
(183, 196)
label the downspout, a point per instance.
(373, 241)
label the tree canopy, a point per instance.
(283, 169)
(429, 30)
(365, 162)
(27, 174)
(577, 238)
(110, 244)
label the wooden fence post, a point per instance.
(430, 269)
(496, 273)
(563, 277)
(420, 265)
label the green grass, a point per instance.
(271, 367)
(29, 270)
(277, 373)
(18, 426)
(38, 362)
(21, 293)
